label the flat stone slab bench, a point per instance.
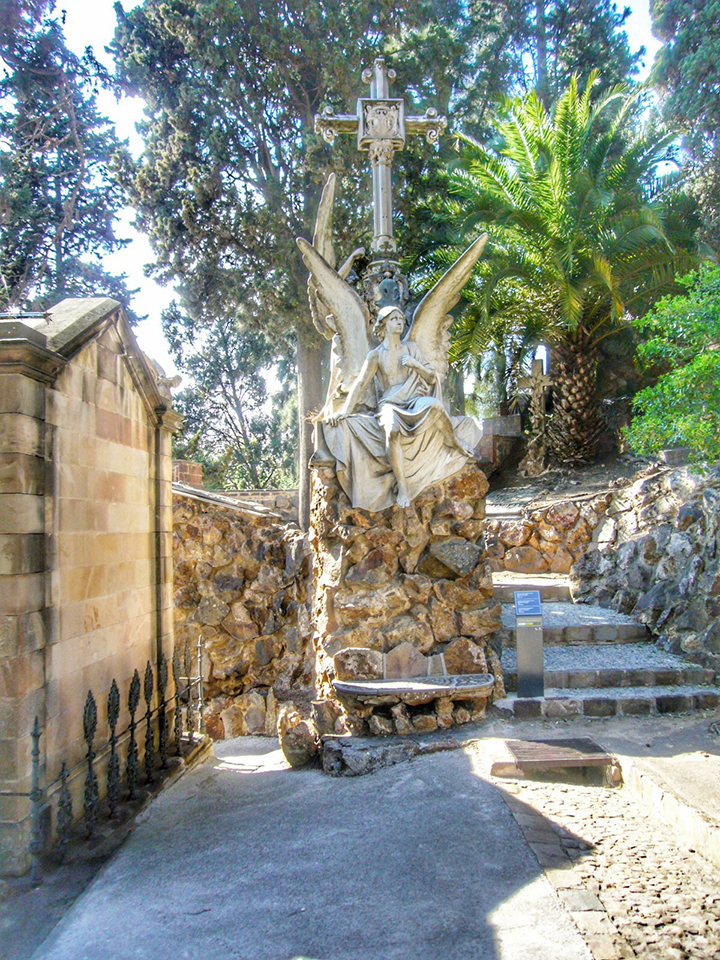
(417, 690)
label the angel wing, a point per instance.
(322, 241)
(431, 319)
(349, 317)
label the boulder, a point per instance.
(464, 656)
(355, 663)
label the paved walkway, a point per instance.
(244, 858)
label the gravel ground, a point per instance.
(631, 890)
(571, 615)
(602, 656)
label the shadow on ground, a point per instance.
(244, 859)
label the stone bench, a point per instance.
(417, 690)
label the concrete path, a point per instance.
(244, 859)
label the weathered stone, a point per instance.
(525, 560)
(401, 717)
(462, 714)
(514, 533)
(413, 627)
(387, 601)
(380, 726)
(469, 485)
(245, 716)
(327, 717)
(444, 712)
(211, 610)
(425, 722)
(299, 739)
(454, 557)
(357, 664)
(562, 515)
(562, 560)
(464, 656)
(417, 587)
(481, 622)
(377, 567)
(405, 661)
(443, 620)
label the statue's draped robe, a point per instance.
(359, 446)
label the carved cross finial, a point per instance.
(381, 127)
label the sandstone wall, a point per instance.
(241, 580)
(85, 537)
(397, 593)
(659, 559)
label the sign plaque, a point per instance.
(529, 644)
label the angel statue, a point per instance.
(384, 423)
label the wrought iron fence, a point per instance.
(188, 692)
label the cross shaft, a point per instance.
(381, 128)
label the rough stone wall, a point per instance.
(659, 559)
(545, 540)
(394, 590)
(241, 580)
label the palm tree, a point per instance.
(580, 232)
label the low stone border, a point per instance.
(690, 826)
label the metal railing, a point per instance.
(158, 722)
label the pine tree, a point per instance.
(59, 196)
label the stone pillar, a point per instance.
(401, 593)
(26, 366)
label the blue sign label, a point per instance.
(527, 603)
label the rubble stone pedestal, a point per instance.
(399, 594)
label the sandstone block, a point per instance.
(380, 726)
(454, 557)
(464, 656)
(425, 722)
(514, 533)
(358, 664)
(481, 622)
(562, 560)
(405, 661)
(378, 566)
(525, 560)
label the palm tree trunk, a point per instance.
(575, 427)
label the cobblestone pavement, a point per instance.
(630, 887)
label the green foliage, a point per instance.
(243, 436)
(683, 407)
(687, 74)
(576, 217)
(59, 199)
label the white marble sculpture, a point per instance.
(384, 422)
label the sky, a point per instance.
(95, 29)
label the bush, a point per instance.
(683, 407)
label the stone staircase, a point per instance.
(598, 663)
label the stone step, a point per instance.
(610, 701)
(600, 666)
(552, 586)
(578, 623)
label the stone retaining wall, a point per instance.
(241, 580)
(545, 540)
(659, 559)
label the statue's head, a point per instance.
(383, 316)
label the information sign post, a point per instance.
(529, 644)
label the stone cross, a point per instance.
(536, 383)
(381, 127)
